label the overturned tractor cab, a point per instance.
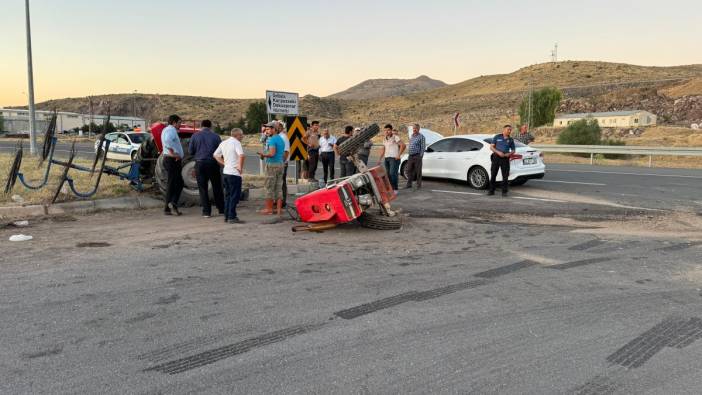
(364, 196)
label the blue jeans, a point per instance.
(392, 167)
(232, 194)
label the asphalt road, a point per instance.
(455, 302)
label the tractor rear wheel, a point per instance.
(355, 142)
(378, 221)
(190, 195)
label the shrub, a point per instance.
(582, 132)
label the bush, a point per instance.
(582, 132)
(587, 132)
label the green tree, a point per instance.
(256, 115)
(544, 103)
(582, 132)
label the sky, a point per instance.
(238, 49)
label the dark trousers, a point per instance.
(327, 165)
(209, 172)
(363, 158)
(347, 167)
(499, 164)
(175, 180)
(232, 194)
(285, 183)
(312, 161)
(391, 167)
(414, 170)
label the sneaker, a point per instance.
(206, 216)
(174, 209)
(491, 193)
(408, 187)
(236, 221)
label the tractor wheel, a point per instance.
(352, 145)
(379, 222)
(190, 195)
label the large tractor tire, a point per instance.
(190, 195)
(355, 142)
(378, 221)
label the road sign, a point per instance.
(296, 130)
(283, 103)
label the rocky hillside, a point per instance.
(486, 102)
(379, 88)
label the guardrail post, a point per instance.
(650, 161)
(592, 158)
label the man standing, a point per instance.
(502, 148)
(280, 127)
(273, 155)
(311, 138)
(392, 150)
(525, 137)
(202, 145)
(364, 152)
(173, 163)
(231, 156)
(327, 144)
(417, 146)
(347, 167)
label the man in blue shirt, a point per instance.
(273, 156)
(173, 163)
(502, 149)
(202, 146)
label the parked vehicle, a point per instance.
(123, 146)
(467, 158)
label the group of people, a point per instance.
(219, 163)
(324, 147)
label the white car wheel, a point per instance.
(478, 178)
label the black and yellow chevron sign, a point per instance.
(296, 130)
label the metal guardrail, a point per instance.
(619, 150)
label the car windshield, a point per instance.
(517, 144)
(138, 138)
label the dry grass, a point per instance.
(110, 186)
(672, 162)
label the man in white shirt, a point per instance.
(326, 154)
(230, 154)
(392, 150)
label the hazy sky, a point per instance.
(238, 49)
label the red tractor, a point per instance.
(190, 195)
(364, 196)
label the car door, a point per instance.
(434, 162)
(122, 147)
(461, 156)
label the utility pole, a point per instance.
(90, 107)
(554, 53)
(30, 81)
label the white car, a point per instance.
(467, 158)
(123, 146)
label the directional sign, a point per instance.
(296, 130)
(283, 103)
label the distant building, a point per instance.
(17, 121)
(613, 119)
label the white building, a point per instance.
(614, 119)
(17, 121)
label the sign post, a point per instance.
(298, 150)
(287, 103)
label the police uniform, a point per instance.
(505, 145)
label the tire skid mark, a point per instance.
(503, 270)
(587, 245)
(583, 262)
(211, 356)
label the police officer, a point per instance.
(502, 148)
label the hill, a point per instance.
(379, 88)
(485, 102)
